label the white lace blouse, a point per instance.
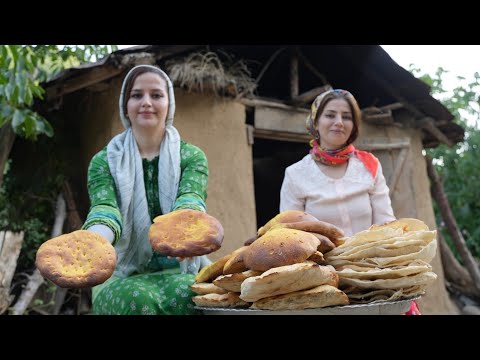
(352, 203)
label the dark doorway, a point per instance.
(270, 159)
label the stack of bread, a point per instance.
(387, 262)
(280, 269)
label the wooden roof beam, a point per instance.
(384, 84)
(310, 95)
(428, 124)
(104, 72)
(312, 68)
(381, 115)
(91, 77)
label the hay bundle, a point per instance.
(206, 71)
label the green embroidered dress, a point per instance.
(162, 289)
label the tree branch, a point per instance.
(452, 226)
(7, 137)
(36, 279)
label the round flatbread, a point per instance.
(288, 216)
(185, 233)
(279, 247)
(76, 260)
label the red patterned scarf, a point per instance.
(341, 156)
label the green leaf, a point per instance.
(8, 89)
(28, 96)
(29, 126)
(43, 126)
(6, 110)
(37, 91)
(15, 97)
(13, 53)
(48, 129)
(18, 119)
(3, 55)
(3, 120)
(23, 68)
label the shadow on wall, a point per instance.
(270, 159)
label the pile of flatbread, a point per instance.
(282, 269)
(387, 262)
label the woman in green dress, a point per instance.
(145, 171)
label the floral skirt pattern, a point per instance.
(165, 292)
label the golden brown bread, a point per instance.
(235, 264)
(407, 224)
(207, 288)
(280, 247)
(318, 297)
(317, 257)
(228, 300)
(76, 260)
(213, 270)
(325, 244)
(185, 233)
(320, 227)
(233, 282)
(340, 241)
(288, 216)
(287, 279)
(251, 240)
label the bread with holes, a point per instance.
(280, 247)
(76, 260)
(185, 233)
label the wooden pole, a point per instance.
(36, 279)
(7, 137)
(74, 222)
(73, 218)
(312, 68)
(10, 246)
(294, 82)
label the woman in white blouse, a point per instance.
(335, 182)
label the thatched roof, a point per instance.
(365, 70)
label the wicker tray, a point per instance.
(399, 307)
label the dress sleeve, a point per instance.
(192, 190)
(103, 201)
(382, 211)
(290, 197)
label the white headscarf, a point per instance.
(133, 248)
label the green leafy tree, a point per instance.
(458, 166)
(27, 205)
(22, 70)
